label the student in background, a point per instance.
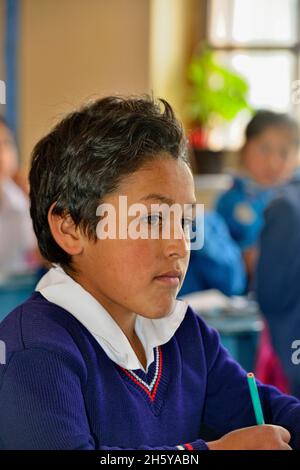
(103, 355)
(269, 157)
(278, 277)
(17, 239)
(218, 264)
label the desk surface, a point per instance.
(226, 323)
(228, 315)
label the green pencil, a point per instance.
(255, 399)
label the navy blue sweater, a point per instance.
(59, 389)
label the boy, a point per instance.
(103, 356)
(269, 158)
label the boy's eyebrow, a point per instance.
(164, 199)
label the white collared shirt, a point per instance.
(58, 287)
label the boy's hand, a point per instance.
(265, 437)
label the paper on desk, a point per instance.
(208, 300)
(212, 300)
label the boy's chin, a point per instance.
(160, 310)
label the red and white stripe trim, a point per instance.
(185, 447)
(151, 388)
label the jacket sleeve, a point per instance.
(277, 264)
(220, 258)
(277, 278)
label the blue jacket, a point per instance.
(242, 208)
(219, 264)
(278, 275)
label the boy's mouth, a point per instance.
(171, 278)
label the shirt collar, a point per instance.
(58, 287)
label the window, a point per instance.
(259, 39)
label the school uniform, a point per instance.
(278, 274)
(242, 207)
(218, 264)
(72, 381)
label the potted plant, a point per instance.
(216, 94)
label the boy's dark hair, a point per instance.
(264, 119)
(88, 153)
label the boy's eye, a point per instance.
(157, 220)
(152, 219)
(187, 223)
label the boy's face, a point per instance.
(125, 275)
(271, 157)
(8, 153)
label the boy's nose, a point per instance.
(177, 246)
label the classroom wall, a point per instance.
(176, 27)
(73, 50)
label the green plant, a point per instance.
(216, 92)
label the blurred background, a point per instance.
(55, 55)
(217, 62)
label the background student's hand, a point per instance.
(265, 437)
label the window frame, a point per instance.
(293, 49)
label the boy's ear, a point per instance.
(65, 232)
